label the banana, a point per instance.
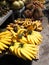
(3, 45)
(3, 33)
(21, 31)
(11, 48)
(6, 36)
(23, 40)
(37, 33)
(9, 40)
(32, 41)
(9, 28)
(30, 45)
(18, 52)
(5, 42)
(32, 53)
(35, 39)
(25, 54)
(32, 48)
(20, 55)
(2, 48)
(38, 37)
(13, 33)
(39, 28)
(28, 38)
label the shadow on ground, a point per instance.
(13, 60)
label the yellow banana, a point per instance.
(21, 31)
(20, 55)
(11, 48)
(32, 48)
(5, 42)
(18, 52)
(28, 38)
(32, 41)
(31, 53)
(30, 45)
(3, 33)
(24, 39)
(37, 36)
(21, 41)
(39, 39)
(13, 33)
(26, 54)
(2, 48)
(35, 40)
(9, 40)
(3, 45)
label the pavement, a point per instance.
(44, 47)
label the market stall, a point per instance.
(22, 39)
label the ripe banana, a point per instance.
(23, 39)
(34, 38)
(3, 45)
(32, 54)
(5, 32)
(21, 31)
(38, 35)
(28, 38)
(27, 55)
(24, 51)
(20, 55)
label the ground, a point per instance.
(44, 47)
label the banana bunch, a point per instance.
(38, 25)
(34, 38)
(25, 51)
(23, 36)
(5, 40)
(23, 40)
(25, 24)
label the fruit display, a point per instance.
(22, 38)
(25, 51)
(29, 24)
(4, 8)
(5, 40)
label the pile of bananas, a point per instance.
(5, 40)
(25, 51)
(21, 41)
(26, 44)
(27, 24)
